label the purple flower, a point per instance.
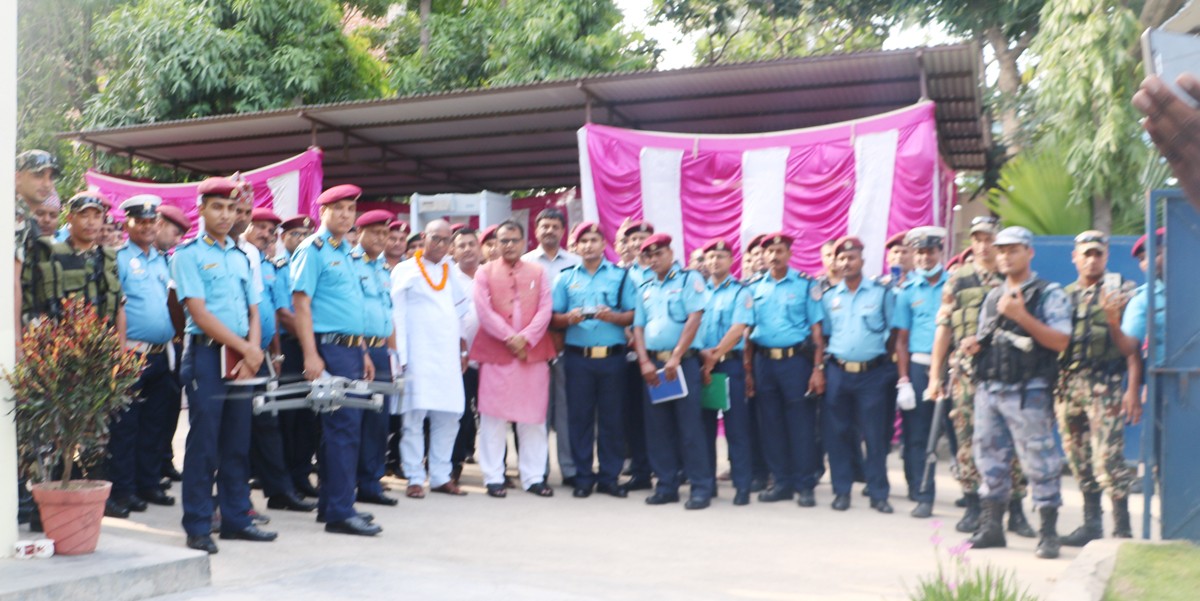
(960, 550)
(935, 539)
(935, 524)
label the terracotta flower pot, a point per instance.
(72, 516)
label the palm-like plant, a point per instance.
(1035, 191)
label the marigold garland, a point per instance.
(419, 255)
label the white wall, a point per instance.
(8, 141)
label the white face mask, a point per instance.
(928, 273)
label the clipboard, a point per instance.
(229, 361)
(715, 395)
(667, 390)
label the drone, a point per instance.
(323, 395)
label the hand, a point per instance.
(462, 368)
(1131, 404)
(906, 397)
(1012, 305)
(368, 368)
(969, 346)
(252, 360)
(649, 374)
(671, 369)
(708, 359)
(1174, 127)
(933, 392)
(314, 366)
(603, 313)
(705, 376)
(816, 382)
(1114, 305)
(575, 316)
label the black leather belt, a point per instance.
(203, 340)
(348, 340)
(145, 348)
(596, 352)
(730, 356)
(786, 352)
(375, 341)
(665, 356)
(858, 367)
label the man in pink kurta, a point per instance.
(513, 300)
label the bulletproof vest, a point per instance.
(1091, 346)
(59, 273)
(969, 292)
(999, 360)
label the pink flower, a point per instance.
(935, 539)
(960, 550)
(935, 524)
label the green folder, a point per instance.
(716, 393)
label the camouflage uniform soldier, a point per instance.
(957, 320)
(1088, 398)
(1023, 326)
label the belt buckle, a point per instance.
(663, 356)
(855, 367)
(775, 353)
(598, 352)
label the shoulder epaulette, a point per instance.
(280, 262)
(357, 254)
(316, 241)
(187, 242)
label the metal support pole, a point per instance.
(1150, 415)
(8, 334)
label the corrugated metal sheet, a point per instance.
(524, 136)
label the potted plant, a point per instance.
(75, 374)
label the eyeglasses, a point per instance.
(1086, 238)
(984, 220)
(509, 241)
(437, 240)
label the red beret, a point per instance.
(225, 187)
(488, 233)
(634, 227)
(846, 243)
(895, 240)
(717, 244)
(176, 216)
(399, 224)
(776, 238)
(297, 222)
(375, 217)
(656, 242)
(1139, 247)
(339, 193)
(587, 227)
(755, 242)
(457, 226)
(264, 214)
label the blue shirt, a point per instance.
(785, 310)
(377, 293)
(220, 277)
(1133, 322)
(858, 322)
(611, 286)
(639, 274)
(269, 301)
(728, 303)
(144, 282)
(663, 307)
(326, 273)
(917, 306)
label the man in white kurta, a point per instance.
(429, 308)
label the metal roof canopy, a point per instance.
(523, 136)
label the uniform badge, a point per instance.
(646, 295)
(209, 266)
(749, 302)
(335, 263)
(135, 263)
(836, 304)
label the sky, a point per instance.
(677, 50)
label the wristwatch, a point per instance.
(819, 366)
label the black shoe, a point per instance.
(912, 496)
(456, 473)
(157, 497)
(165, 484)
(970, 520)
(807, 498)
(134, 503)
(355, 526)
(638, 483)
(202, 543)
(697, 503)
(115, 509)
(255, 484)
(841, 502)
(882, 506)
(1048, 545)
(569, 481)
(1017, 523)
(172, 474)
(250, 533)
(758, 484)
(304, 487)
(260, 519)
(290, 502)
(866, 491)
(991, 526)
(379, 499)
(582, 492)
(613, 490)
(742, 497)
(923, 509)
(660, 498)
(775, 493)
(362, 515)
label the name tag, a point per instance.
(209, 266)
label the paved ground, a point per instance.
(525, 547)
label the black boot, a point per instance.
(1048, 544)
(1121, 527)
(1093, 524)
(25, 505)
(991, 527)
(970, 519)
(1017, 524)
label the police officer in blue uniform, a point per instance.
(135, 461)
(594, 301)
(328, 297)
(858, 318)
(212, 278)
(266, 438)
(788, 366)
(728, 314)
(380, 336)
(669, 311)
(917, 305)
(628, 244)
